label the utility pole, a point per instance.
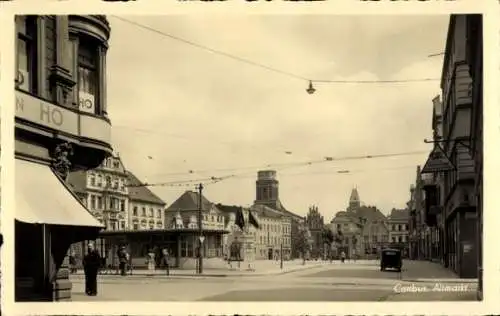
(201, 238)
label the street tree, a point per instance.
(304, 243)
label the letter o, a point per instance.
(57, 117)
(87, 104)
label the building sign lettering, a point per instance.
(46, 114)
(51, 115)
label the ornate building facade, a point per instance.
(61, 125)
(364, 229)
(316, 224)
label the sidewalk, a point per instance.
(260, 268)
(427, 272)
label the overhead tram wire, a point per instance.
(326, 160)
(256, 64)
(214, 180)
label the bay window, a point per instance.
(26, 78)
(88, 76)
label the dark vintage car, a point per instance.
(391, 258)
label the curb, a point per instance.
(441, 281)
(214, 275)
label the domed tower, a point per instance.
(354, 201)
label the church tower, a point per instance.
(267, 189)
(354, 201)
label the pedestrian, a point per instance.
(166, 257)
(91, 264)
(122, 260)
(72, 262)
(342, 256)
(151, 261)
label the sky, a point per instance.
(182, 113)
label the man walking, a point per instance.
(122, 260)
(91, 264)
(166, 258)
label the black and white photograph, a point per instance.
(248, 158)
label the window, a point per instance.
(116, 164)
(99, 180)
(158, 213)
(135, 211)
(400, 239)
(393, 239)
(26, 53)
(88, 77)
(99, 202)
(143, 211)
(151, 212)
(92, 180)
(122, 224)
(122, 205)
(108, 181)
(92, 202)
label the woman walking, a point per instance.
(151, 262)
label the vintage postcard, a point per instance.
(271, 163)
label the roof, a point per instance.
(266, 211)
(77, 181)
(138, 192)
(370, 213)
(396, 214)
(282, 209)
(188, 201)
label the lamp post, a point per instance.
(281, 254)
(200, 228)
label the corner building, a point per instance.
(61, 125)
(454, 197)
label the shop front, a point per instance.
(182, 245)
(49, 218)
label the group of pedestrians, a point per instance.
(92, 263)
(163, 262)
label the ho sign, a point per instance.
(86, 102)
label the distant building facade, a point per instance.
(118, 199)
(145, 210)
(316, 224)
(185, 211)
(364, 228)
(398, 221)
(104, 191)
(272, 236)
